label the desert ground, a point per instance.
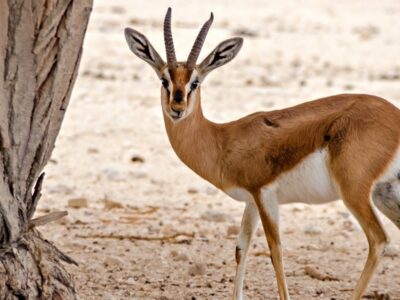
(142, 225)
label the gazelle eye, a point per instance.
(164, 83)
(194, 85)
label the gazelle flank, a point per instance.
(339, 147)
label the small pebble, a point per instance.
(137, 159)
(179, 256)
(312, 229)
(130, 280)
(233, 230)
(111, 204)
(78, 203)
(214, 216)
(182, 257)
(114, 262)
(114, 174)
(192, 190)
(197, 269)
(391, 251)
(92, 150)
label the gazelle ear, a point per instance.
(222, 54)
(141, 46)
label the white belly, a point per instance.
(309, 182)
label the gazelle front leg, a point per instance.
(267, 205)
(249, 224)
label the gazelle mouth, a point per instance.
(176, 114)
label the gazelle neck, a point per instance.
(196, 142)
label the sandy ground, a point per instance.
(113, 161)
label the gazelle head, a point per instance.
(181, 80)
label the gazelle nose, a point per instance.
(178, 96)
(177, 110)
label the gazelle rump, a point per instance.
(344, 146)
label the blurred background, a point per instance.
(144, 226)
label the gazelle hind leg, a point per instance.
(249, 224)
(386, 197)
(360, 205)
(267, 205)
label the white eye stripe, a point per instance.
(193, 77)
(167, 75)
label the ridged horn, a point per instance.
(198, 44)
(169, 42)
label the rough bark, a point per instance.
(40, 50)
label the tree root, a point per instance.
(30, 268)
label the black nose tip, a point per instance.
(178, 111)
(178, 97)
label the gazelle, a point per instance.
(343, 146)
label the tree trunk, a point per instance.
(40, 50)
